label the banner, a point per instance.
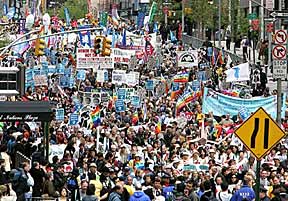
(187, 59)
(60, 114)
(132, 78)
(238, 73)
(121, 55)
(221, 104)
(86, 58)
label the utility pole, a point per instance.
(279, 88)
(183, 15)
(262, 19)
(219, 25)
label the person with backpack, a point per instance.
(19, 183)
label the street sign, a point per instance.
(279, 52)
(260, 133)
(280, 69)
(252, 16)
(279, 14)
(269, 27)
(281, 37)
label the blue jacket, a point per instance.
(168, 191)
(244, 192)
(139, 196)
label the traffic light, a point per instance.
(98, 44)
(39, 47)
(106, 50)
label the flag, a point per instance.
(155, 27)
(103, 19)
(124, 38)
(152, 12)
(67, 16)
(144, 111)
(181, 77)
(203, 132)
(238, 73)
(221, 57)
(95, 116)
(163, 80)
(158, 126)
(135, 118)
(113, 38)
(184, 99)
(172, 36)
(214, 57)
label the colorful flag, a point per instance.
(158, 126)
(184, 99)
(181, 77)
(135, 118)
(95, 116)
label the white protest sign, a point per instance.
(187, 58)
(40, 80)
(56, 150)
(132, 78)
(86, 58)
(102, 75)
(121, 55)
(118, 77)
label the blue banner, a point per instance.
(149, 85)
(81, 75)
(121, 94)
(67, 16)
(221, 104)
(140, 19)
(60, 114)
(135, 101)
(73, 120)
(120, 106)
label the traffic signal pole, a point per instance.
(279, 87)
(15, 42)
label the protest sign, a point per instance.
(118, 77)
(81, 75)
(119, 106)
(149, 85)
(121, 94)
(187, 59)
(121, 55)
(40, 80)
(60, 114)
(73, 120)
(86, 58)
(56, 150)
(135, 101)
(102, 75)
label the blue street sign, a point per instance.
(120, 106)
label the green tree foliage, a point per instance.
(77, 9)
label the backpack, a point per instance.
(72, 184)
(18, 181)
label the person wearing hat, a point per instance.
(93, 174)
(263, 194)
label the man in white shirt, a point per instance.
(223, 195)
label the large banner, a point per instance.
(187, 59)
(221, 104)
(122, 56)
(86, 58)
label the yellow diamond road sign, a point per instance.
(260, 133)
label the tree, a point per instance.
(77, 9)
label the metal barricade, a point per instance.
(197, 43)
(21, 158)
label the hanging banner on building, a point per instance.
(187, 59)
(222, 104)
(86, 58)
